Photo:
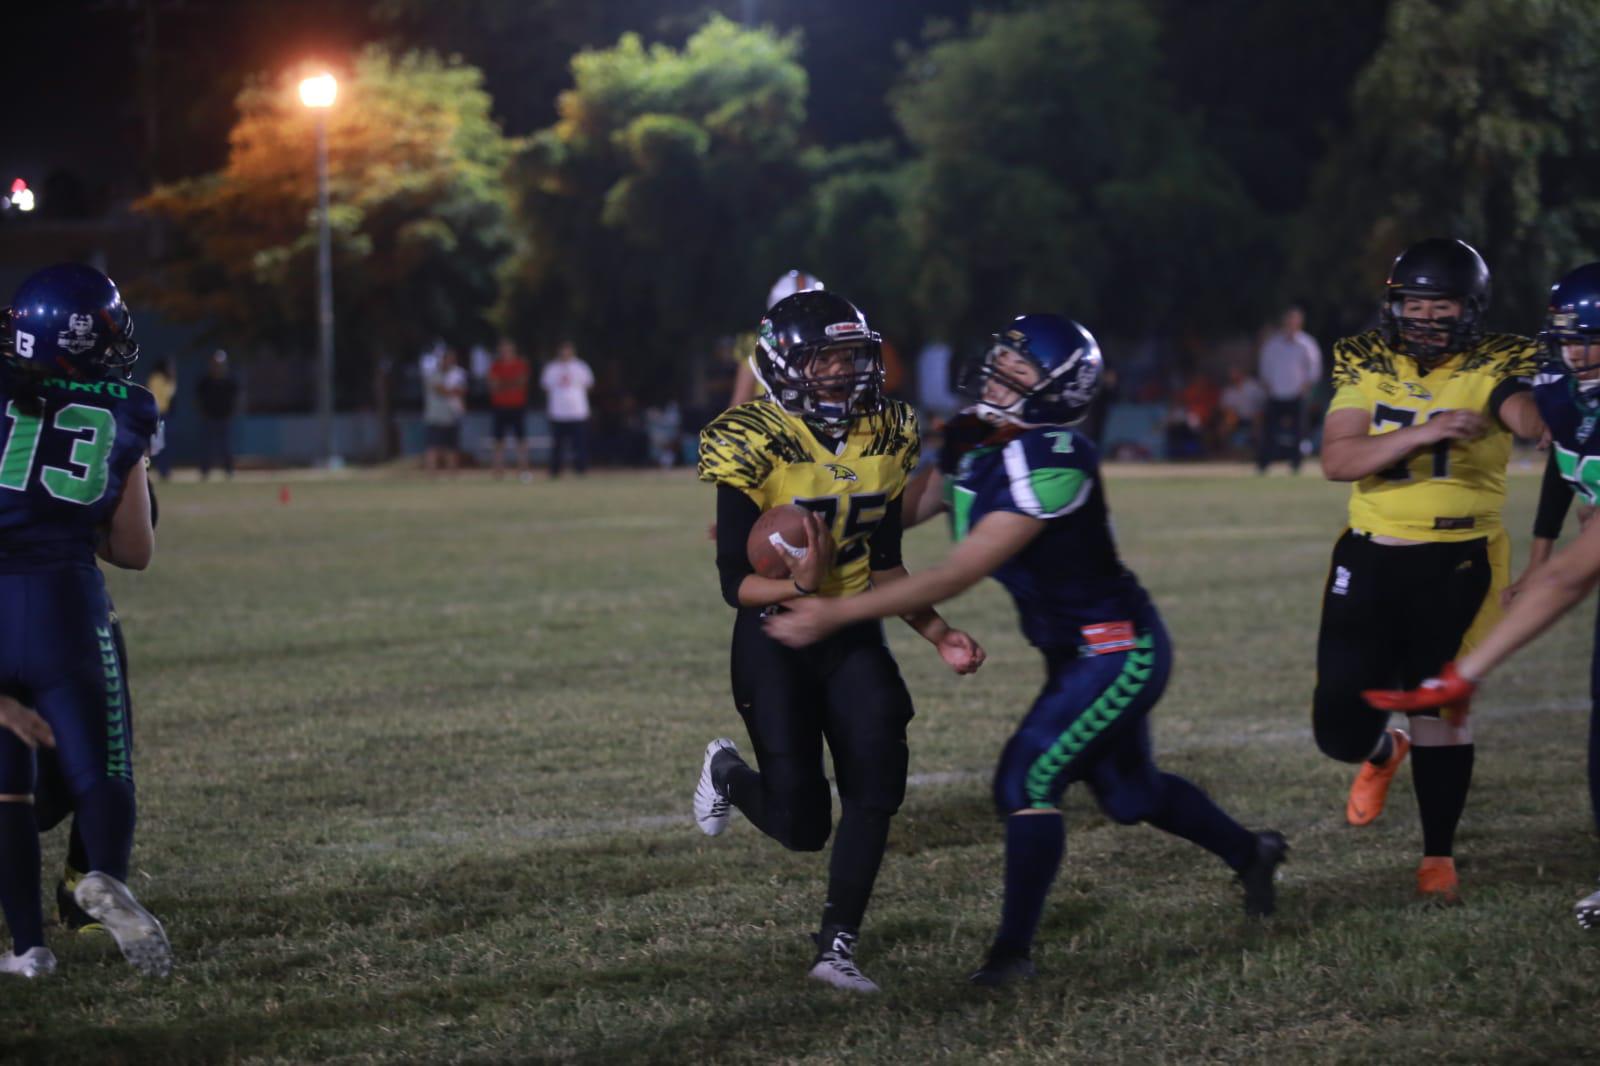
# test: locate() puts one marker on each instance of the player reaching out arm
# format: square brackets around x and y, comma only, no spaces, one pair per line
[822,436]
[1568,397]
[1029,509]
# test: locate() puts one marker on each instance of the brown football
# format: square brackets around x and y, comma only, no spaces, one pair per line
[782,529]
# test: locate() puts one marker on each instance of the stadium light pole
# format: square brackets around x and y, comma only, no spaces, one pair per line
[318,93]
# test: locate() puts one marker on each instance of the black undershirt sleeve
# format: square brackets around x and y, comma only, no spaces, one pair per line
[736,517]
[1555,498]
[885,540]
[1507,388]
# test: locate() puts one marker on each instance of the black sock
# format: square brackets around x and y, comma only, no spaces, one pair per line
[1186,811]
[1441,778]
[19,876]
[77,857]
[858,846]
[1034,846]
[1384,750]
[106,815]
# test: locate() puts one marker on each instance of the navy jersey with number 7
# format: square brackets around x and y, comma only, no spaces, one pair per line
[66,450]
[1069,578]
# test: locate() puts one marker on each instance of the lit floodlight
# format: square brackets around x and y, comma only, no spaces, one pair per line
[319,90]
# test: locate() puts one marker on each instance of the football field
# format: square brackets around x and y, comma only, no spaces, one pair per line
[415,758]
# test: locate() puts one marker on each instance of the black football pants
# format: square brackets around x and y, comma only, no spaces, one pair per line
[845,691]
[1392,615]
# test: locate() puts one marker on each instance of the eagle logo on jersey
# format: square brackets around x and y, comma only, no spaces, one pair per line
[79,336]
[840,472]
[1418,391]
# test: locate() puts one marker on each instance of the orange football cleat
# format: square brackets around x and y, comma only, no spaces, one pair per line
[1437,881]
[1371,788]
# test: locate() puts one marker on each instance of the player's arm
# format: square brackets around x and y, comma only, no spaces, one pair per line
[924,497]
[1555,499]
[741,585]
[1551,591]
[26,723]
[129,540]
[1351,452]
[993,540]
[1513,404]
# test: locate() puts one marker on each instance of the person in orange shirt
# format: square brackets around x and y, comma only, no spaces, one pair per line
[508,400]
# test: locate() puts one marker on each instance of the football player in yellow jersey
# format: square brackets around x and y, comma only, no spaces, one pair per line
[1421,423]
[821,436]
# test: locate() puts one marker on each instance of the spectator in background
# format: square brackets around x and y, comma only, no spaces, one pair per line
[566,381]
[935,394]
[1242,403]
[444,402]
[1291,365]
[163,385]
[508,400]
[218,396]
[1201,401]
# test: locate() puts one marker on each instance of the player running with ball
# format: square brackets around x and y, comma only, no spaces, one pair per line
[1029,510]
[821,436]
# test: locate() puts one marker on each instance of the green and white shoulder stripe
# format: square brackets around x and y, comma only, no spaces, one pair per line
[1046,493]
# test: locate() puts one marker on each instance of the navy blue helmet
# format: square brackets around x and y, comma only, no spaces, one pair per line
[70,320]
[1574,320]
[1439,268]
[817,358]
[1068,364]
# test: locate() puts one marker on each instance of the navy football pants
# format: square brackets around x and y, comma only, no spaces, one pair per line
[59,655]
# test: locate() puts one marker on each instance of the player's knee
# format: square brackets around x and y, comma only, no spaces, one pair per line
[808,832]
[1127,803]
[1345,732]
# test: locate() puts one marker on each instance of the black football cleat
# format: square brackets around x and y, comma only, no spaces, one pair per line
[73,918]
[997,973]
[1259,878]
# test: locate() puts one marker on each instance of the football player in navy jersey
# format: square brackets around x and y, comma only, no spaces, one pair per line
[1567,391]
[73,435]
[1028,508]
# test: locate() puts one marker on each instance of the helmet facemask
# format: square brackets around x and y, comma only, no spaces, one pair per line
[1059,397]
[1430,341]
[830,384]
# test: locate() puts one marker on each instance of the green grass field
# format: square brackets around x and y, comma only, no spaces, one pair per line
[414,764]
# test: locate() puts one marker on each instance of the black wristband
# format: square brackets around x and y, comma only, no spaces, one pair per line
[802,590]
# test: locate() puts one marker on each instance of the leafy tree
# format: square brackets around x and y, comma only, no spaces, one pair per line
[1054,170]
[419,213]
[1475,118]
[660,206]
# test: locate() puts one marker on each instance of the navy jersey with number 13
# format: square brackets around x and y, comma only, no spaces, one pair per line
[63,465]
[1069,576]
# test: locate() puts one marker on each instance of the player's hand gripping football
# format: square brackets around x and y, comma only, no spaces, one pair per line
[961,652]
[811,570]
[25,722]
[1449,691]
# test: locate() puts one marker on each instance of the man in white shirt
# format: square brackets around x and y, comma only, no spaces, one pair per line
[1291,366]
[566,381]
[444,402]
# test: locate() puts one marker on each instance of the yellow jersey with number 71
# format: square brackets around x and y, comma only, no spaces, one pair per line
[1455,489]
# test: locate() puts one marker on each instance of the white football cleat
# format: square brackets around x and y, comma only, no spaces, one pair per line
[1587,910]
[711,807]
[836,964]
[137,932]
[35,962]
